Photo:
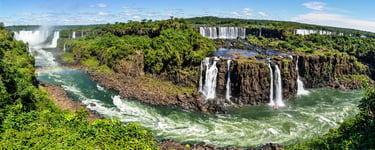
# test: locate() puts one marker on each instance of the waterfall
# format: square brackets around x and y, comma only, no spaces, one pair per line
[228,94]
[38,40]
[300,89]
[64,48]
[278,88]
[32,37]
[272,103]
[56,36]
[73,35]
[222,32]
[208,88]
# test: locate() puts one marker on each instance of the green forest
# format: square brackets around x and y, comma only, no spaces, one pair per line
[166,46]
[30,120]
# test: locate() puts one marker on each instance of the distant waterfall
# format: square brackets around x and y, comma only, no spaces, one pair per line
[64,49]
[32,37]
[228,93]
[56,36]
[222,32]
[300,89]
[278,88]
[208,88]
[272,103]
[73,35]
[208,32]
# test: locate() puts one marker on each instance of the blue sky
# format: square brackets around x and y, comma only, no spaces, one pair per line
[358,14]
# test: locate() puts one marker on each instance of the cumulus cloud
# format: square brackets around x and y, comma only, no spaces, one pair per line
[102,14]
[336,20]
[262,14]
[315,5]
[99,5]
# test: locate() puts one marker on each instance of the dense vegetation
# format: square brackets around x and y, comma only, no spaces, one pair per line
[165,45]
[29,120]
[271,24]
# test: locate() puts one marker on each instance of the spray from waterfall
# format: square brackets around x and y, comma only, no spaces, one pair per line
[208,87]
[38,40]
[300,89]
[228,92]
[73,35]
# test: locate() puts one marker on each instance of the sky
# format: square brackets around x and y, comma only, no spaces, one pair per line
[359,14]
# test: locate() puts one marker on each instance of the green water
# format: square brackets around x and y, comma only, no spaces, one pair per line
[303,118]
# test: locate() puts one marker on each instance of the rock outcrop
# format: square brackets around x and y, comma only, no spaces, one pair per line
[336,70]
[250,80]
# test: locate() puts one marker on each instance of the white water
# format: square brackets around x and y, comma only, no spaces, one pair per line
[37,40]
[222,32]
[32,37]
[278,88]
[208,88]
[300,88]
[228,93]
[73,35]
[64,49]
[56,36]
[271,103]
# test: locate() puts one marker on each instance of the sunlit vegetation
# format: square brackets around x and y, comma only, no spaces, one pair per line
[165,45]
[29,120]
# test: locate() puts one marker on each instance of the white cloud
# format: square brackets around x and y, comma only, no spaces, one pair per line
[100,5]
[246,10]
[262,14]
[336,20]
[314,5]
[26,14]
[102,14]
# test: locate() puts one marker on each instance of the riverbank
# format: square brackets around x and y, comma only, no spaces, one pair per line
[64,102]
[148,90]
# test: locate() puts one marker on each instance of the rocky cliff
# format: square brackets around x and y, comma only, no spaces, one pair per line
[335,70]
[250,80]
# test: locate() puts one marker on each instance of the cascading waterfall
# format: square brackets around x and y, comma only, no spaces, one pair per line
[37,40]
[208,88]
[64,49]
[278,88]
[222,32]
[56,36]
[300,89]
[32,37]
[73,35]
[272,103]
[228,93]
[208,32]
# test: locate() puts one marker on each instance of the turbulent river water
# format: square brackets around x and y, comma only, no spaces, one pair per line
[303,118]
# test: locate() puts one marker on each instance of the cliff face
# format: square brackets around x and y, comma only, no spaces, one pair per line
[338,70]
[250,80]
